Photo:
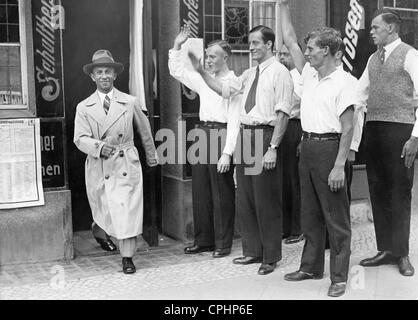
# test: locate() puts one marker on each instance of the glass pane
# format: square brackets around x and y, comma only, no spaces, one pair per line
[407,4]
[239,62]
[388,3]
[14,33]
[209,6]
[3,33]
[264,13]
[13,14]
[237,23]
[3,14]
[409,30]
[10,75]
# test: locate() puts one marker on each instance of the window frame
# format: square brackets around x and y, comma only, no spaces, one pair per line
[28,108]
[250,4]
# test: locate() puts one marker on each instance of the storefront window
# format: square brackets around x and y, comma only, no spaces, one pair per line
[232,19]
[12,56]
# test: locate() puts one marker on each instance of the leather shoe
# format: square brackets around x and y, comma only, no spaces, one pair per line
[267,268]
[197,249]
[294,239]
[405,267]
[219,253]
[300,276]
[128,266]
[107,244]
[336,289]
[381,258]
[246,260]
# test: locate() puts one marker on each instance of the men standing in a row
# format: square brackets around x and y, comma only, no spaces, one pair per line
[387,86]
[327,107]
[213,189]
[265,110]
[291,187]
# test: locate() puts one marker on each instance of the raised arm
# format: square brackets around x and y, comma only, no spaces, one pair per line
[289,36]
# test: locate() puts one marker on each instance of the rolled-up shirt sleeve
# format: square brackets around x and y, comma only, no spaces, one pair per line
[179,71]
[362,88]
[283,92]
[358,128]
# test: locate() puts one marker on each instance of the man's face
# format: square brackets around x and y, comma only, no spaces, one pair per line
[379,31]
[104,78]
[216,58]
[285,58]
[258,48]
[314,54]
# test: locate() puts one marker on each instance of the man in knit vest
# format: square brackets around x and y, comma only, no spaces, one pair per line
[387,87]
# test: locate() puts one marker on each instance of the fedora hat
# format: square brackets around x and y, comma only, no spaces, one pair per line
[102,58]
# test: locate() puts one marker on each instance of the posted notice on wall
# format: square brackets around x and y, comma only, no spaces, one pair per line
[20,164]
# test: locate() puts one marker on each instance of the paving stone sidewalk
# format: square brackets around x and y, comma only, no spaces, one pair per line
[167,273]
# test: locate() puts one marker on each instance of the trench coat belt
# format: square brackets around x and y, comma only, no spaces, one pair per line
[123,146]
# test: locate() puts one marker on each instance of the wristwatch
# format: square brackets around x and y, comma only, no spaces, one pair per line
[273,146]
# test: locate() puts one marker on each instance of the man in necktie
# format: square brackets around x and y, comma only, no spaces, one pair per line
[267,94]
[103,129]
[387,87]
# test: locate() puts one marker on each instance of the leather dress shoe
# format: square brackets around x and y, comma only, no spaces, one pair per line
[381,258]
[128,266]
[219,253]
[405,267]
[267,268]
[106,244]
[300,276]
[197,249]
[247,260]
[336,289]
[294,239]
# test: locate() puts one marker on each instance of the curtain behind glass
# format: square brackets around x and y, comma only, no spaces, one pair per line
[136,70]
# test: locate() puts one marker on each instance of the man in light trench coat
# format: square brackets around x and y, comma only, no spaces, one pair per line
[103,129]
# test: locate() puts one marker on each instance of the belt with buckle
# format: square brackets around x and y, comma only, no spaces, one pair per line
[212,124]
[320,136]
[257,126]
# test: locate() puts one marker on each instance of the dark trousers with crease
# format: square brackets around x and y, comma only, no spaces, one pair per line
[390,185]
[259,200]
[291,185]
[323,210]
[213,196]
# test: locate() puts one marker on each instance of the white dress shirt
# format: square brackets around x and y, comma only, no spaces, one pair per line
[103,95]
[297,93]
[274,92]
[324,101]
[410,66]
[212,106]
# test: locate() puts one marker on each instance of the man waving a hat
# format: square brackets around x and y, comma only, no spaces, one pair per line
[103,129]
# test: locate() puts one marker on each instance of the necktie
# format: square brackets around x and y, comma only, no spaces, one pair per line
[106,104]
[250,103]
[382,55]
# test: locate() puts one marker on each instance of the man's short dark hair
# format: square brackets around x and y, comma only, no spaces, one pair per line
[389,16]
[225,46]
[267,33]
[326,37]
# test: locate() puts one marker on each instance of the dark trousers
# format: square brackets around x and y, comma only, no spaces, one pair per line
[213,196]
[291,185]
[259,202]
[390,184]
[323,210]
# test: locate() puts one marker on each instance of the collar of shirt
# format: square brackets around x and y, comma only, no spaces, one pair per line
[103,95]
[266,63]
[391,46]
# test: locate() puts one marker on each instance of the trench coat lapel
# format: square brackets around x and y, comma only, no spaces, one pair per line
[95,109]
[116,110]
